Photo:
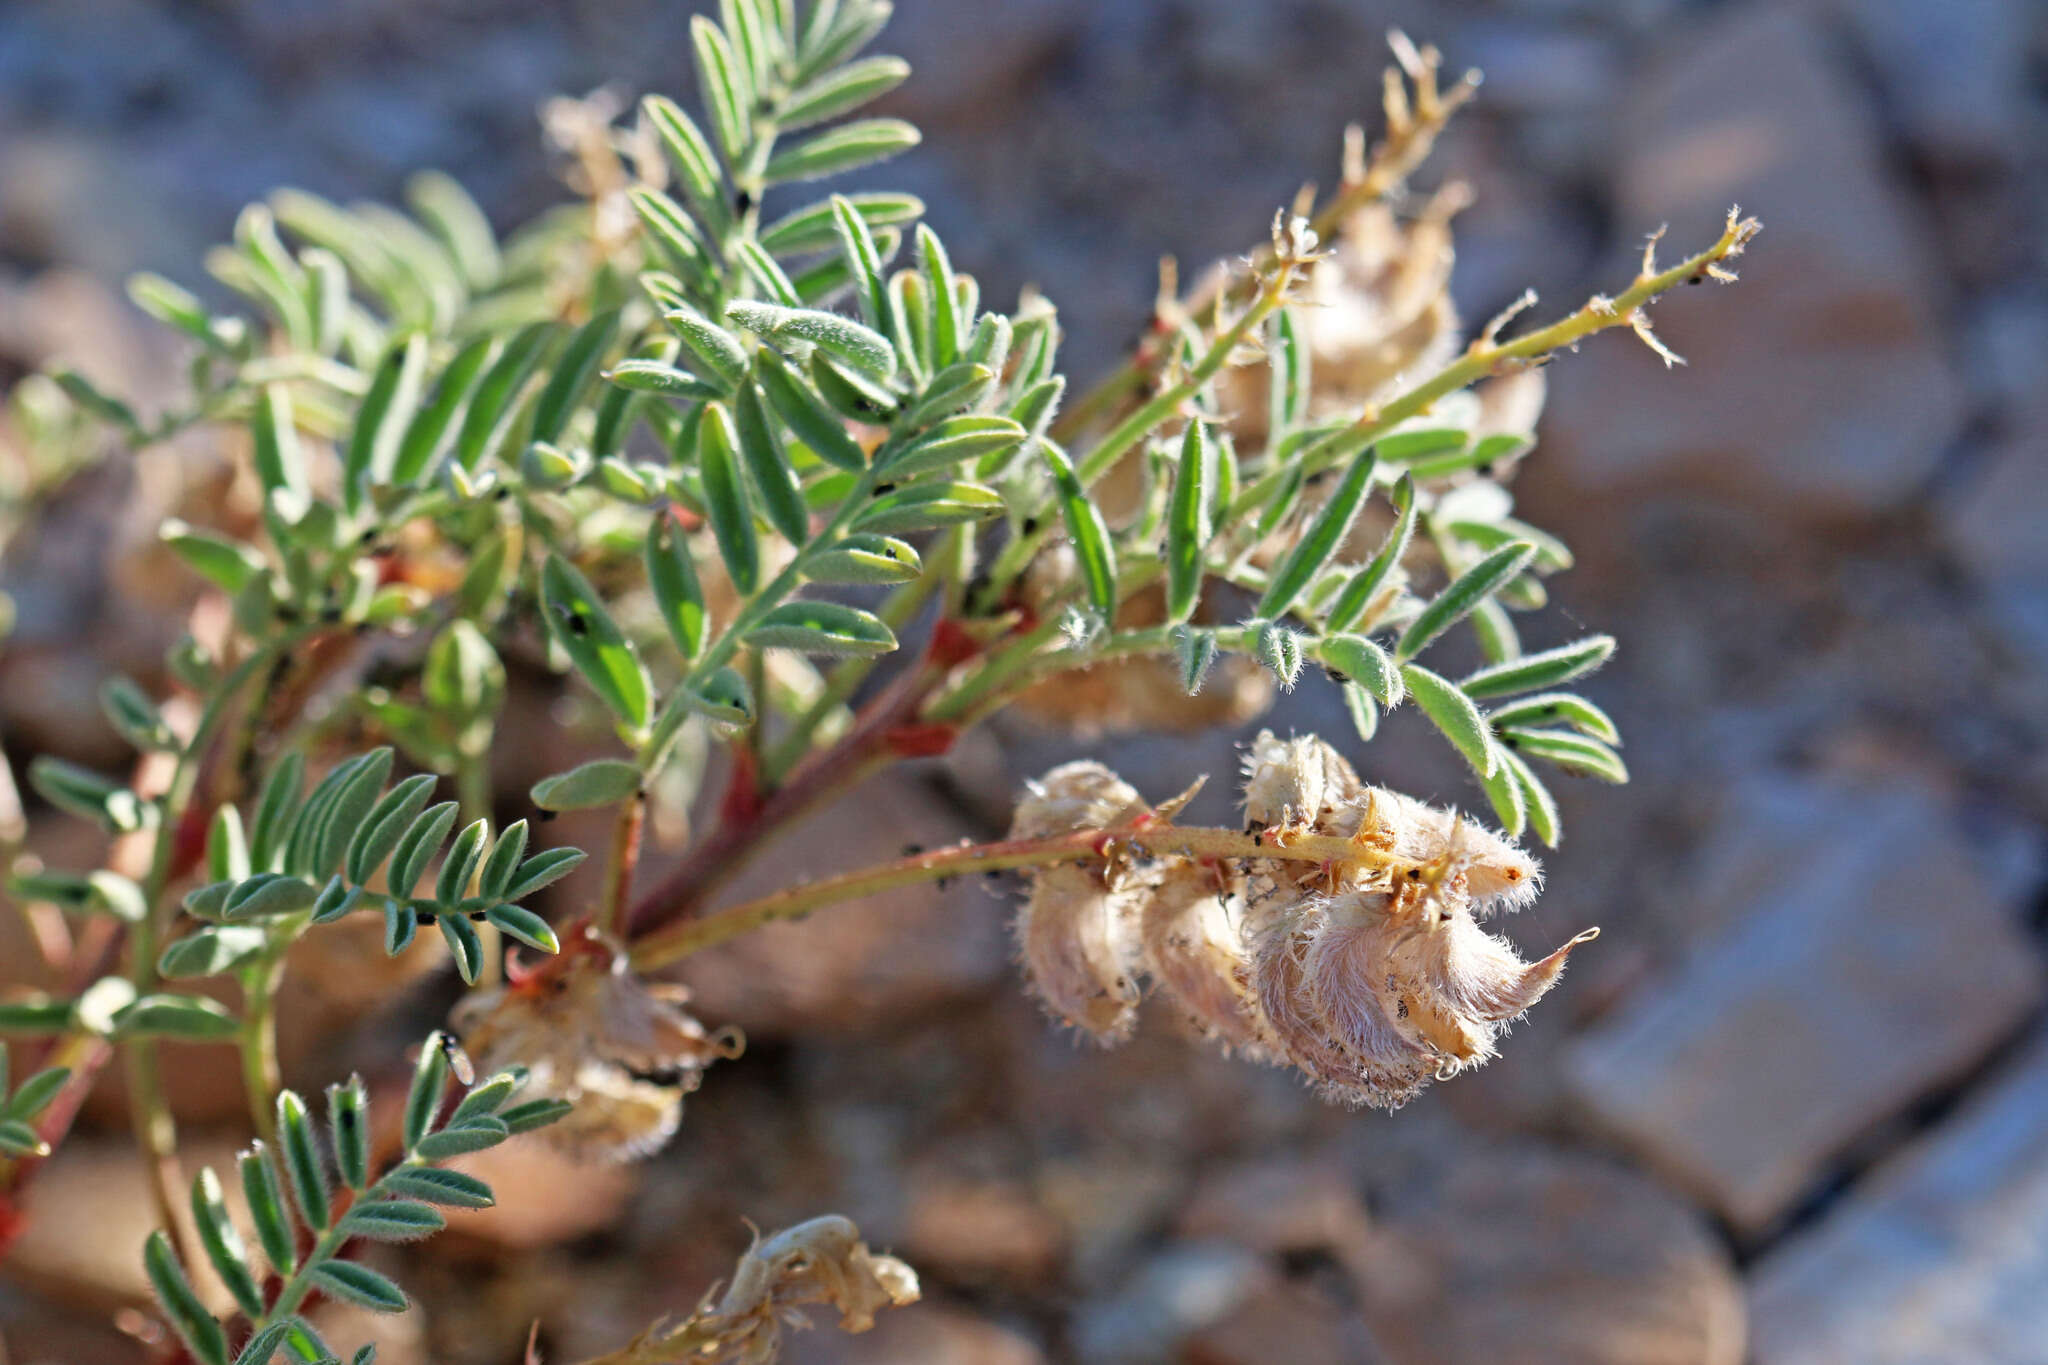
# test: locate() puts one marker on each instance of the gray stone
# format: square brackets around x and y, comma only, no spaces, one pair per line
[1872,965]
[1938,1256]
[1820,386]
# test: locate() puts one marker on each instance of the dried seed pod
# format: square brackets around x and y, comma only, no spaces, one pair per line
[1295,784]
[1314,975]
[1374,994]
[1078,928]
[623,1050]
[1193,934]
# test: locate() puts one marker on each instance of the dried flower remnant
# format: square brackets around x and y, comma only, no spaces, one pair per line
[1078,928]
[820,1261]
[1370,976]
[623,1050]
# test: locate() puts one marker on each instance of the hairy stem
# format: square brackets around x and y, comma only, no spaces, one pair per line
[1149,836]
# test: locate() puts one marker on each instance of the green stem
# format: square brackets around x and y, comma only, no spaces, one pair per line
[1485,357]
[1149,835]
[156,1132]
[261,1077]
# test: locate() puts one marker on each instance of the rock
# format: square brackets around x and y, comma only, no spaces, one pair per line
[865,963]
[1992,525]
[1866,962]
[1184,1289]
[990,1231]
[1290,1322]
[1279,1206]
[1936,1256]
[1535,1256]
[1954,75]
[1820,387]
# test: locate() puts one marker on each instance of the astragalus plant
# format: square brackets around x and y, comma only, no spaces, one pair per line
[785,499]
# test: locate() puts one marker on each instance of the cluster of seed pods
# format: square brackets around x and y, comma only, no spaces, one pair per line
[1372,977]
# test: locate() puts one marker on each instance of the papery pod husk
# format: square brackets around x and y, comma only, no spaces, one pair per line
[1077,930]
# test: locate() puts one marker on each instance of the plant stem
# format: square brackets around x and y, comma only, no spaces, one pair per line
[156,1132]
[261,1078]
[1485,357]
[1148,836]
[625,854]
[1412,130]
[862,752]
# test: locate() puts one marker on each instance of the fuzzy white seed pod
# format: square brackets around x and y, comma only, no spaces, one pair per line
[1293,783]
[1315,973]
[1194,941]
[1077,930]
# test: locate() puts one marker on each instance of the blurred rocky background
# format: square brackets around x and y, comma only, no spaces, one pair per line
[1794,1105]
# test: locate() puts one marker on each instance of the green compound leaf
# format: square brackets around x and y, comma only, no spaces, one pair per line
[862,557]
[599,782]
[1452,712]
[725,498]
[599,650]
[360,1285]
[859,346]
[845,148]
[1573,753]
[1324,535]
[823,628]
[1086,529]
[1464,593]
[194,1325]
[1188,525]
[678,596]
[1538,672]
